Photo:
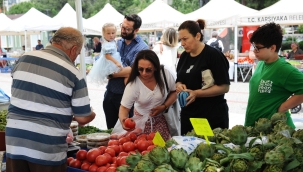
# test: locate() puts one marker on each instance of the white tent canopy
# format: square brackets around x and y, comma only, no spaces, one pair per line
[34,20]
[67,16]
[159,15]
[282,12]
[220,13]
[108,14]
[9,27]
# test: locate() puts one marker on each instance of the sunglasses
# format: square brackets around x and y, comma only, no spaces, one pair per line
[257,48]
[147,70]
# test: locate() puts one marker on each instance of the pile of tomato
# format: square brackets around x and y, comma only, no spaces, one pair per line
[245,60]
[108,158]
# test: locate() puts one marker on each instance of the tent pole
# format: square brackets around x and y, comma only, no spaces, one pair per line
[236,50]
[80,28]
[25,40]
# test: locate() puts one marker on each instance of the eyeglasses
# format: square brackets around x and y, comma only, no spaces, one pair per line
[147,70]
[257,48]
[126,29]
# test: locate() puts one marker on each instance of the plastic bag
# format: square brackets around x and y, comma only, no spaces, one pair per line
[119,132]
[4,98]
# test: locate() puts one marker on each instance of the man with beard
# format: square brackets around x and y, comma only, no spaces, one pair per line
[128,47]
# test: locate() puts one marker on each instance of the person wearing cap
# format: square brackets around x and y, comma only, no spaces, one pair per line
[295,50]
[213,40]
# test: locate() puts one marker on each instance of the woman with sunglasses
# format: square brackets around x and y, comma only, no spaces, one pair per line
[276,86]
[146,90]
[199,57]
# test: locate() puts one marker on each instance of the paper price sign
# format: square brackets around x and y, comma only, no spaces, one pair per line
[201,126]
[158,140]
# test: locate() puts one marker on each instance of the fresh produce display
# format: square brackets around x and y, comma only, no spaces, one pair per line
[245,60]
[229,56]
[124,153]
[270,146]
[3,119]
[91,129]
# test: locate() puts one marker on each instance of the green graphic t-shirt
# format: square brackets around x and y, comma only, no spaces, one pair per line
[270,86]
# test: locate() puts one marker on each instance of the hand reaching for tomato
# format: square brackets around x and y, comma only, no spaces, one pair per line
[128,124]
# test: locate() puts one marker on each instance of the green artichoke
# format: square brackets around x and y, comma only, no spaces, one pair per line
[205,151]
[178,158]
[133,159]
[159,155]
[298,134]
[239,165]
[238,135]
[124,168]
[277,117]
[263,125]
[257,153]
[144,166]
[272,168]
[193,165]
[164,168]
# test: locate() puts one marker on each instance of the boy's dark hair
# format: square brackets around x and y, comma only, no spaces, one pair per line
[268,35]
[136,19]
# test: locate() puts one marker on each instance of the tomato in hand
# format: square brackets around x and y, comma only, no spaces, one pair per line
[130,123]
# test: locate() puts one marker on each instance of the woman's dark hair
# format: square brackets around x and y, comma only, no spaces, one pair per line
[193,27]
[153,58]
[135,18]
[268,35]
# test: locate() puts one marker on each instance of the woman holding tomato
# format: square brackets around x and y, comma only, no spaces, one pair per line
[147,91]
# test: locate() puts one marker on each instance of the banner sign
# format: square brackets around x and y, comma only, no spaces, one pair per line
[279,18]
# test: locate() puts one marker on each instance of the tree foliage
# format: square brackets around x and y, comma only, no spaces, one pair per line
[91,7]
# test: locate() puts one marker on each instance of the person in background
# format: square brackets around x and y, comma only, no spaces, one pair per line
[146,90]
[215,42]
[39,46]
[48,92]
[198,57]
[275,86]
[110,61]
[295,50]
[128,47]
[97,45]
[166,49]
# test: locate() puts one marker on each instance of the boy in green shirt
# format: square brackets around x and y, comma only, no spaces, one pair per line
[276,86]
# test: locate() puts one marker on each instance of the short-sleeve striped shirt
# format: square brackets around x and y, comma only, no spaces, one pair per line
[47,90]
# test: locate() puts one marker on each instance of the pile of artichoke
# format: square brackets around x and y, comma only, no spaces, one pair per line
[282,150]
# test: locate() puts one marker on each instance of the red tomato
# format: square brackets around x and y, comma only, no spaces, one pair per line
[142,145]
[102,149]
[75,163]
[102,169]
[122,161]
[142,136]
[151,136]
[114,160]
[111,169]
[114,136]
[150,142]
[101,160]
[123,154]
[87,162]
[113,142]
[69,159]
[123,140]
[149,148]
[132,136]
[109,157]
[81,154]
[113,165]
[110,151]
[116,148]
[85,166]
[128,146]
[93,168]
[130,123]
[132,152]
[92,154]
[121,148]
[144,152]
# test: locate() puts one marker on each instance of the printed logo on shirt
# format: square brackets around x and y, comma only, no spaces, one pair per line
[265,86]
[190,67]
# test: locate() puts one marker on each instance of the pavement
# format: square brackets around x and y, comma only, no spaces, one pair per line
[236,99]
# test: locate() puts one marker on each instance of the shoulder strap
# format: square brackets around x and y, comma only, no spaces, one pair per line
[164,76]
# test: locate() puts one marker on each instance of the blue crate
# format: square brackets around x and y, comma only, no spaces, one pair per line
[5,70]
[71,169]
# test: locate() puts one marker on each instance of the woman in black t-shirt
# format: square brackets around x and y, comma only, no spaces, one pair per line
[207,103]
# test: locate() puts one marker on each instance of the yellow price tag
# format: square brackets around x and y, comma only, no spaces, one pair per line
[201,126]
[158,140]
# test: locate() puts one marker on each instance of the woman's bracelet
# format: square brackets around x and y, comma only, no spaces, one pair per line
[165,106]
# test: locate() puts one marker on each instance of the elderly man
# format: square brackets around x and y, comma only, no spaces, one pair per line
[47,93]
